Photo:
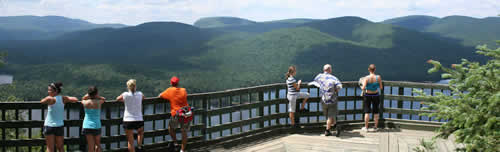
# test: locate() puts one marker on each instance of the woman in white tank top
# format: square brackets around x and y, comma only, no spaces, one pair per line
[132,116]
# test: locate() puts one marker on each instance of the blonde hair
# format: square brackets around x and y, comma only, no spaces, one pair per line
[291,70]
[131,84]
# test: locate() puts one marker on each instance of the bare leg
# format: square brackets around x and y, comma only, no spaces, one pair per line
[184,139]
[171,131]
[303,103]
[329,123]
[90,143]
[292,118]
[60,143]
[367,119]
[140,136]
[97,140]
[50,141]
[375,116]
[130,139]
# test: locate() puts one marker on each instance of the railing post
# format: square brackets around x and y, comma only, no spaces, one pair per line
[204,118]
[3,129]
[261,108]
[400,102]
[108,127]
[83,146]
[277,108]
[381,118]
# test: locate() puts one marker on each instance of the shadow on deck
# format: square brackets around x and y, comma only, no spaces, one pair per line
[383,140]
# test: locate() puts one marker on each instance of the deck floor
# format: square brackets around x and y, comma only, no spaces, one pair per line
[350,141]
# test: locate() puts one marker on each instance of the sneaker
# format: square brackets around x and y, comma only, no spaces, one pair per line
[140,148]
[364,129]
[375,129]
[337,129]
[171,146]
[328,133]
[296,126]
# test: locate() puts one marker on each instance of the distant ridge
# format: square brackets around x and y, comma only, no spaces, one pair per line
[43,27]
[469,31]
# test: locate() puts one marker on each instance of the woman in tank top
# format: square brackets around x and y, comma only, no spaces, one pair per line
[132,116]
[372,84]
[53,127]
[92,122]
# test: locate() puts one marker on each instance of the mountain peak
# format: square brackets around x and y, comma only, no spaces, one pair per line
[223,21]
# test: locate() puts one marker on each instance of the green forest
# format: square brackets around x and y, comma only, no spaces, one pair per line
[224,53]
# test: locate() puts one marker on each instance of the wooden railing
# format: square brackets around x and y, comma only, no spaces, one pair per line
[219,116]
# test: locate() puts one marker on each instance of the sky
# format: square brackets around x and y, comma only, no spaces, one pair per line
[133,12]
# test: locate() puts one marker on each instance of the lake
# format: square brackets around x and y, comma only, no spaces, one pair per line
[6,79]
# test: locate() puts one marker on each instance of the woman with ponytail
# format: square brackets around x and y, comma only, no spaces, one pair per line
[53,127]
[294,93]
[92,122]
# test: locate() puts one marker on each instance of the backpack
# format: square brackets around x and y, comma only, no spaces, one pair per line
[184,114]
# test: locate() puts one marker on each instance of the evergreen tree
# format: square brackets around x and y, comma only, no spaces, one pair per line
[473,110]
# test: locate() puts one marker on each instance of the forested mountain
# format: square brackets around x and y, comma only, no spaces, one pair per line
[236,54]
[466,30]
[43,27]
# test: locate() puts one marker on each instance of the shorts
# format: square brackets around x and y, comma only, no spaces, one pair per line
[292,99]
[57,131]
[371,99]
[88,131]
[133,125]
[329,110]
[174,123]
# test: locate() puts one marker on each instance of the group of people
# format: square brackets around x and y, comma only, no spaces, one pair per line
[132,118]
[329,86]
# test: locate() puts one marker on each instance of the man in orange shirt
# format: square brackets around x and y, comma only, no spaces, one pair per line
[178,99]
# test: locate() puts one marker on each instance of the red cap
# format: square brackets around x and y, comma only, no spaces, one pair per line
[174,81]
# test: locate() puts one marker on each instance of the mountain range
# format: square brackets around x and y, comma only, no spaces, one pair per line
[44,27]
[219,53]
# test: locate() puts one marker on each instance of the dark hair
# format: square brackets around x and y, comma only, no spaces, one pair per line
[56,86]
[291,70]
[92,91]
[371,68]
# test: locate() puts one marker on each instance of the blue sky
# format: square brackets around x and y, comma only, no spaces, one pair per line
[133,12]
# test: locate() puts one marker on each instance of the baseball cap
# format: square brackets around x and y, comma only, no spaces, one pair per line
[174,80]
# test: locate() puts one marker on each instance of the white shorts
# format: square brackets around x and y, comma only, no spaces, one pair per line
[292,99]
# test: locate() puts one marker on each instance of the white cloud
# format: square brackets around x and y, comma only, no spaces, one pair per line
[187,11]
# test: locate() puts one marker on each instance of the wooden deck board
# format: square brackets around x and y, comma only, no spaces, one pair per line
[349,141]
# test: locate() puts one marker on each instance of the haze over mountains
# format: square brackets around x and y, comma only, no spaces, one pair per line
[46,27]
[224,52]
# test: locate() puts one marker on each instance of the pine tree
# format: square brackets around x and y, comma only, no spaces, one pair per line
[473,110]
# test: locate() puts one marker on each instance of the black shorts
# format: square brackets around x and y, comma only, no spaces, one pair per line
[57,131]
[88,131]
[371,99]
[133,125]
